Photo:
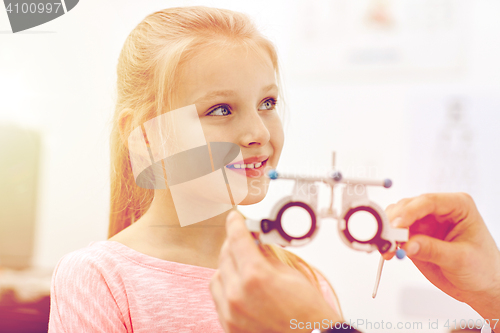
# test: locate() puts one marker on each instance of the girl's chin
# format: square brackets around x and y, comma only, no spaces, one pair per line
[253,198]
[250,201]
[257,190]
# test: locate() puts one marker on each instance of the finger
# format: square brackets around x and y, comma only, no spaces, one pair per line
[429,249]
[241,244]
[434,274]
[393,209]
[216,288]
[389,209]
[450,206]
[219,298]
[228,273]
[388,255]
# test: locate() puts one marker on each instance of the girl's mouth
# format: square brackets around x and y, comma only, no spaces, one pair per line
[251,170]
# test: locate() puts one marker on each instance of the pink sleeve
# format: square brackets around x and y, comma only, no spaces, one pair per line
[81,300]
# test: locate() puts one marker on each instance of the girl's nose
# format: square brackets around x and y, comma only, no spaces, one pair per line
[254,131]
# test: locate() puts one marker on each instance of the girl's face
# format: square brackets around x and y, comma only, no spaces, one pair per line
[235,93]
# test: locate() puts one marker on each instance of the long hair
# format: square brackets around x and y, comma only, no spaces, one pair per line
[147,73]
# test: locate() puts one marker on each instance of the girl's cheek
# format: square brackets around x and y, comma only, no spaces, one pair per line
[218,132]
[277,134]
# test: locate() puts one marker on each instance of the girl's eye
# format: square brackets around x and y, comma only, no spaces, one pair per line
[269,104]
[219,111]
[223,110]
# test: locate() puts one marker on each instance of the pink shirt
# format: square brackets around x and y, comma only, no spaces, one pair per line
[109,287]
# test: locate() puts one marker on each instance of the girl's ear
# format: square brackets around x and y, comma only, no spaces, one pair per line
[124,125]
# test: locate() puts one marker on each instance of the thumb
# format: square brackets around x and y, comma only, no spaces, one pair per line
[433,250]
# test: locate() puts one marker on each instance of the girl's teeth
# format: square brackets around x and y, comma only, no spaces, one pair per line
[247,166]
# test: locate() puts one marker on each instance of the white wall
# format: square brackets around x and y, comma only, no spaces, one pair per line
[60,78]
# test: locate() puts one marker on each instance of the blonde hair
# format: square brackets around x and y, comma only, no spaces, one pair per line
[148,68]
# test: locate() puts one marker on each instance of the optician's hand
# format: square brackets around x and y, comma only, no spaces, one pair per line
[451,245]
[253,293]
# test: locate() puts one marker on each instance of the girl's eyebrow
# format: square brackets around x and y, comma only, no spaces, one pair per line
[215,93]
[269,87]
[226,93]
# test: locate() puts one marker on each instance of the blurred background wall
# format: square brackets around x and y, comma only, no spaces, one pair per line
[402,89]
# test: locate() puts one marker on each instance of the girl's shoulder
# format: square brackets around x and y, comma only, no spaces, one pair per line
[112,260]
[88,279]
[95,251]
[96,258]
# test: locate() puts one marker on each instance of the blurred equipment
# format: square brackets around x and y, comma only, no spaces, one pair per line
[19,164]
[355,205]
[281,227]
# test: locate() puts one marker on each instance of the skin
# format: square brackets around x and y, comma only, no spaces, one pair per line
[455,252]
[254,294]
[248,120]
[451,245]
[451,234]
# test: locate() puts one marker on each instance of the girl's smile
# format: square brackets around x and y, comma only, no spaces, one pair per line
[253,167]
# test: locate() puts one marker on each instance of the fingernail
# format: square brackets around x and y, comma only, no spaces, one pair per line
[412,248]
[396,222]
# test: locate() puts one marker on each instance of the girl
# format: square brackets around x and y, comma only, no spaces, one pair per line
[153,275]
